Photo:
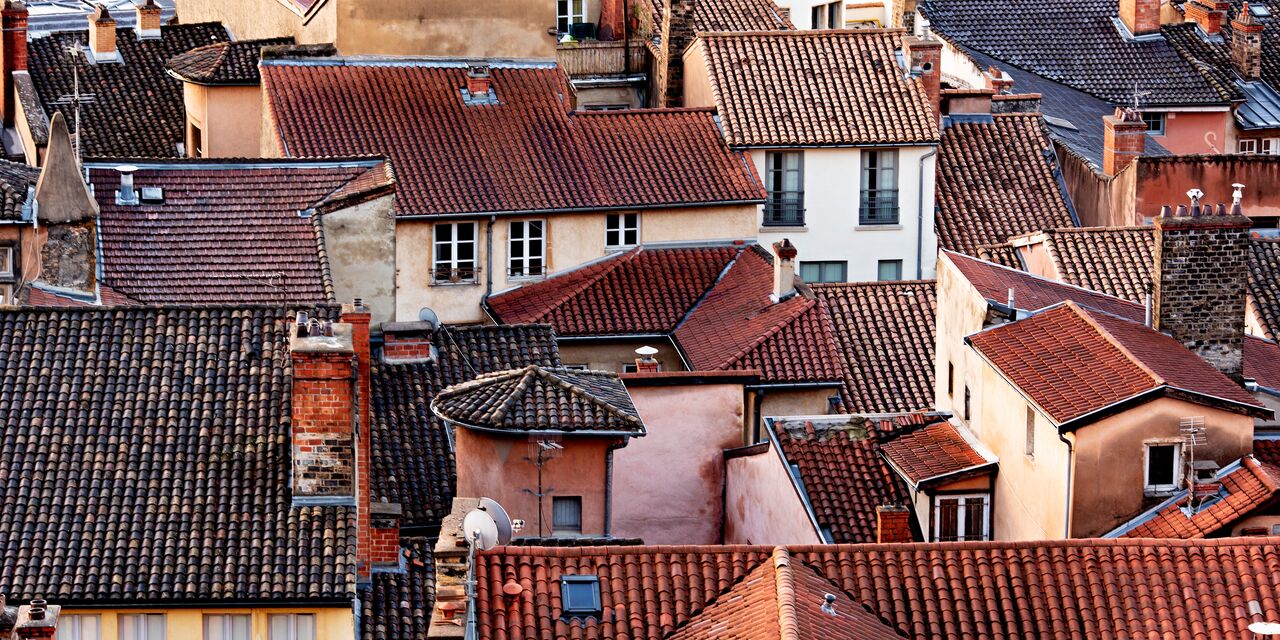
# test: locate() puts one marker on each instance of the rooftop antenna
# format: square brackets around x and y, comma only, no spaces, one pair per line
[1137,96]
[75,98]
[1193,435]
[543,448]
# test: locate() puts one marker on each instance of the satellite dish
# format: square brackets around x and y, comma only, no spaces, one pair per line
[480,530]
[1265,628]
[500,518]
[428,316]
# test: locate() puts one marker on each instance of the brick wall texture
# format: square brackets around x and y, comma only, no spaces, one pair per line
[322,424]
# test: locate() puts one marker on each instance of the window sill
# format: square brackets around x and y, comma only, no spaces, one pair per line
[527,278]
[619,248]
[878,227]
[460,283]
[784,229]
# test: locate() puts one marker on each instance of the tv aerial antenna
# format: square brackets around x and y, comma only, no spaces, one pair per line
[75,99]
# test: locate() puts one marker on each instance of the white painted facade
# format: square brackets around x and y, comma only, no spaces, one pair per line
[848,15]
[832,188]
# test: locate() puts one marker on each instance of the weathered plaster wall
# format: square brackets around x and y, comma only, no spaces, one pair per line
[688,426]
[761,503]
[610,356]
[251,19]
[67,257]
[1163,181]
[1197,132]
[361,244]
[797,402]
[230,119]
[478,28]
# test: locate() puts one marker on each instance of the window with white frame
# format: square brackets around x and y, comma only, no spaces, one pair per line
[291,626]
[6,295]
[569,13]
[826,16]
[621,230]
[879,193]
[141,626]
[79,626]
[1247,146]
[227,627]
[1162,468]
[454,257]
[6,261]
[961,517]
[1270,147]
[526,248]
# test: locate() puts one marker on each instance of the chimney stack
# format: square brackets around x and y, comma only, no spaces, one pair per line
[924,60]
[1141,17]
[148,18]
[102,35]
[407,342]
[13,51]
[357,316]
[893,524]
[613,20]
[646,362]
[479,81]
[996,80]
[37,621]
[1200,279]
[677,33]
[126,194]
[1208,14]
[1246,44]
[784,270]
[323,410]
[1124,139]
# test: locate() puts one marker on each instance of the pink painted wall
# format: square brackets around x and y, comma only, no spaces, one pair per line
[1196,132]
[762,505]
[668,484]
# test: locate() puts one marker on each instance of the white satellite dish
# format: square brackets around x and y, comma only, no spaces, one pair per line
[428,316]
[1265,628]
[500,519]
[480,530]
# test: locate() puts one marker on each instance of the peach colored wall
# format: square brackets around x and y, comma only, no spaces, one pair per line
[1196,132]
[689,427]
[1109,455]
[761,503]
[1166,182]
[797,402]
[697,78]
[499,467]
[922,501]
[961,311]
[230,119]
[1266,521]
[1035,256]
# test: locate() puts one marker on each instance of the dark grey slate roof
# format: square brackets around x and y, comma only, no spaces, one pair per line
[535,398]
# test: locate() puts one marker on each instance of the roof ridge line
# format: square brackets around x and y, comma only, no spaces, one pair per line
[702,297]
[785,593]
[500,412]
[1255,466]
[772,331]
[1083,312]
[579,391]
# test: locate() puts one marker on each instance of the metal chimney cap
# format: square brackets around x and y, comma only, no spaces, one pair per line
[126,168]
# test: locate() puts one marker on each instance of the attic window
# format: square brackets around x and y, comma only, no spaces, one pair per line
[580,596]
[1260,10]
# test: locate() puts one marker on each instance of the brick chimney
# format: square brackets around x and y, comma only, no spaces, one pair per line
[452,564]
[893,524]
[677,34]
[1208,14]
[1246,44]
[407,342]
[102,35]
[1200,279]
[1141,17]
[613,20]
[358,317]
[479,81]
[384,534]
[645,360]
[924,59]
[37,621]
[323,410]
[784,270]
[1124,139]
[997,80]
[148,19]
[13,51]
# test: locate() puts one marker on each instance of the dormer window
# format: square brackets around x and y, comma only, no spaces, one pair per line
[580,596]
[1163,469]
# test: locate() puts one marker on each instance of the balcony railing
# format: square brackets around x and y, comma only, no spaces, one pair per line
[599,58]
[784,209]
[445,275]
[879,206]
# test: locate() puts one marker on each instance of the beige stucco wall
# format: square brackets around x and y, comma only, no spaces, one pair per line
[697,78]
[961,311]
[762,505]
[454,303]
[331,623]
[251,19]
[797,402]
[610,356]
[1266,521]
[229,117]
[688,426]
[922,500]
[361,245]
[1109,455]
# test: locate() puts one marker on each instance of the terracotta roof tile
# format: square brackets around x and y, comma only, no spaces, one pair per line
[524,153]
[1267,449]
[138,109]
[935,451]
[16,180]
[884,332]
[816,88]
[225,62]
[537,398]
[1264,283]
[732,15]
[995,182]
[1071,361]
[1003,254]
[1249,487]
[397,606]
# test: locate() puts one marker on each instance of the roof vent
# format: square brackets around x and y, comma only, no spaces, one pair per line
[126,194]
[152,195]
[829,604]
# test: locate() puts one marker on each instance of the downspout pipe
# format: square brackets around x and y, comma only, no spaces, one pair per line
[608,485]
[1066,533]
[920,217]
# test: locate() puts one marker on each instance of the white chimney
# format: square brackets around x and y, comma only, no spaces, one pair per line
[784,270]
[126,195]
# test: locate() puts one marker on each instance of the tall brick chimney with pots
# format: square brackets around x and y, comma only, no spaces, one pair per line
[148,19]
[1124,139]
[1200,279]
[613,20]
[893,524]
[358,317]
[1246,44]
[102,34]
[924,57]
[1208,14]
[323,411]
[1141,17]
[13,50]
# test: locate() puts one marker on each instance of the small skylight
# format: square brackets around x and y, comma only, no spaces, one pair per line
[1260,10]
[580,596]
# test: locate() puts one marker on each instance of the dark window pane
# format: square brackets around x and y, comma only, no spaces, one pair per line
[948,518]
[566,514]
[1160,465]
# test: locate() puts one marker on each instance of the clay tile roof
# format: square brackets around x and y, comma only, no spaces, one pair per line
[15,181]
[1246,488]
[1264,284]
[641,291]
[397,606]
[738,326]
[1267,449]
[229,63]
[412,462]
[783,599]
[524,153]
[947,591]
[994,182]
[936,451]
[224,232]
[732,15]
[1072,361]
[884,333]
[842,471]
[537,398]
[804,88]
[138,109]
[1003,254]
[141,438]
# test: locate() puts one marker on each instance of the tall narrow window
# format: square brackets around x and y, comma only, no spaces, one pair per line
[197,142]
[226,627]
[1031,432]
[77,626]
[291,626]
[6,261]
[526,249]
[569,13]
[960,517]
[951,379]
[879,201]
[566,514]
[455,252]
[1163,469]
[784,179]
[141,626]
[621,230]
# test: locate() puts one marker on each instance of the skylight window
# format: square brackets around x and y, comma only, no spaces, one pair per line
[580,596]
[1260,10]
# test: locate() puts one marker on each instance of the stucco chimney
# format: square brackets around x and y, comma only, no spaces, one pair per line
[148,19]
[1141,17]
[1124,139]
[924,60]
[102,34]
[1200,280]
[13,50]
[1208,14]
[996,80]
[893,524]
[784,270]
[1246,44]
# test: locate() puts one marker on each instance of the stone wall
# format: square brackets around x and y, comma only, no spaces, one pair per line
[67,257]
